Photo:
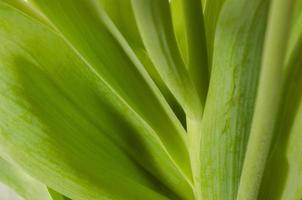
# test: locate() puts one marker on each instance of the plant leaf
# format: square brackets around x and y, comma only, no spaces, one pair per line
[92,49]
[22,183]
[212,12]
[269,99]
[230,102]
[296,28]
[282,176]
[193,27]
[155,24]
[121,13]
[68,127]
[56,196]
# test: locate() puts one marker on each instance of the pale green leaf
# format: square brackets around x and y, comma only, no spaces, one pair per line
[269,98]
[22,183]
[155,24]
[97,41]
[282,177]
[121,13]
[56,196]
[212,12]
[189,23]
[74,131]
[230,102]
[296,28]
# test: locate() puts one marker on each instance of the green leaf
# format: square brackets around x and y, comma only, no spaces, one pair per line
[189,86]
[212,12]
[22,183]
[56,196]
[76,127]
[92,38]
[192,28]
[282,176]
[121,13]
[296,28]
[230,102]
[155,24]
[269,99]
[178,20]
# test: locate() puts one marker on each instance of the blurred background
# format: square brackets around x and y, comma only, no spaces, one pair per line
[7,194]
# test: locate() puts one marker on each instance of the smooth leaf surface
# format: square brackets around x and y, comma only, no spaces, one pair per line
[282,177]
[121,13]
[151,99]
[84,125]
[269,98]
[230,102]
[212,12]
[296,29]
[155,25]
[188,22]
[92,38]
[22,183]
[56,196]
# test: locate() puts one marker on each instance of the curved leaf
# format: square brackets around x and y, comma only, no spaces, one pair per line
[190,25]
[155,25]
[22,183]
[269,99]
[121,13]
[212,12]
[230,102]
[97,145]
[92,37]
[282,176]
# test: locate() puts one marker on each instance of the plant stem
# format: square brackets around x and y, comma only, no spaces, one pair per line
[194,134]
[198,71]
[268,99]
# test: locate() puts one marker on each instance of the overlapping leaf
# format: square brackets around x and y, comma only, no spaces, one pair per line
[89,90]
[85,118]
[282,177]
[121,13]
[26,186]
[192,28]
[229,107]
[155,25]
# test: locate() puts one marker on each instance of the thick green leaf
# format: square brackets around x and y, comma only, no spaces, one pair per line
[269,99]
[22,183]
[56,196]
[283,177]
[212,12]
[100,45]
[121,13]
[67,126]
[190,25]
[296,28]
[230,102]
[155,24]
[178,20]
[189,86]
